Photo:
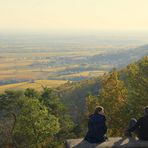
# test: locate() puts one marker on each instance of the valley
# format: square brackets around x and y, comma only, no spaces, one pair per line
[25,59]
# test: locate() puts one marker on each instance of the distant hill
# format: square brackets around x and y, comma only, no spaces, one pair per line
[121,58]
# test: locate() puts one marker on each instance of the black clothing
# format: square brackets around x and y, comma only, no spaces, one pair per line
[141,127]
[96,128]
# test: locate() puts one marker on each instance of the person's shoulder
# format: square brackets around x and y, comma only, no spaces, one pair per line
[101,117]
[91,116]
[94,116]
[97,117]
[142,118]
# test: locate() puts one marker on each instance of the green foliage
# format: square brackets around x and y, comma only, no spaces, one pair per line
[112,97]
[73,96]
[51,100]
[123,94]
[91,103]
[31,93]
[56,108]
[35,119]
[34,124]
[8,100]
[136,80]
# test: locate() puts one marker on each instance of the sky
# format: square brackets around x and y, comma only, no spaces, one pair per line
[84,15]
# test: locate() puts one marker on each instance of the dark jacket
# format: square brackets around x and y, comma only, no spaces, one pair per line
[96,128]
[142,126]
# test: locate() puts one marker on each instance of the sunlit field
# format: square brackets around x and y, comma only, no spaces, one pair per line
[37,85]
[72,58]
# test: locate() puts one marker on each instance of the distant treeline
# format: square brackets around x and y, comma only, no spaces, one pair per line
[12,81]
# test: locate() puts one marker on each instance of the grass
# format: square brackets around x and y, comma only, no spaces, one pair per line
[83,74]
[37,85]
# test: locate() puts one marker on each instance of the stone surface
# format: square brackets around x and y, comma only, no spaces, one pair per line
[115,142]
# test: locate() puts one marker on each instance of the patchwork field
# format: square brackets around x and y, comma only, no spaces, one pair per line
[25,66]
[26,59]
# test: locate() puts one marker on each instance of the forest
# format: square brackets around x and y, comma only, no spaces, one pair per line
[31,118]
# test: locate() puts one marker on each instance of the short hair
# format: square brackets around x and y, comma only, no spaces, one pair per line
[146,110]
[98,109]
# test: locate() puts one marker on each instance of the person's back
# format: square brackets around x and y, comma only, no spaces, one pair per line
[96,127]
[140,127]
[143,127]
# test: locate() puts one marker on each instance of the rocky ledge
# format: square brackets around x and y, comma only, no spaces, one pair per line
[114,142]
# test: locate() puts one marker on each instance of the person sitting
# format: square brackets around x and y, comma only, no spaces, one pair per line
[96,126]
[140,127]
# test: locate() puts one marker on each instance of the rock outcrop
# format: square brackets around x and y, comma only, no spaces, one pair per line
[115,142]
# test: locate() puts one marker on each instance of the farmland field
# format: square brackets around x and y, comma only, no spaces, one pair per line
[37,85]
[27,58]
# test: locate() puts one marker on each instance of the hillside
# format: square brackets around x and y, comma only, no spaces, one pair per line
[30,114]
[121,58]
[37,85]
[74,94]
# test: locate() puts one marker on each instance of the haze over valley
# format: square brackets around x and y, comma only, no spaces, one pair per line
[30,57]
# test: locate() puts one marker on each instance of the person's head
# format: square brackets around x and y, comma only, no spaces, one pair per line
[99,110]
[146,110]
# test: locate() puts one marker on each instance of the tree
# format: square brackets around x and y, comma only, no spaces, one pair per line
[34,125]
[136,80]
[26,120]
[31,93]
[50,99]
[8,114]
[91,103]
[112,97]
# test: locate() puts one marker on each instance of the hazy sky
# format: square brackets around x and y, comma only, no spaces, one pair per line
[74,14]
